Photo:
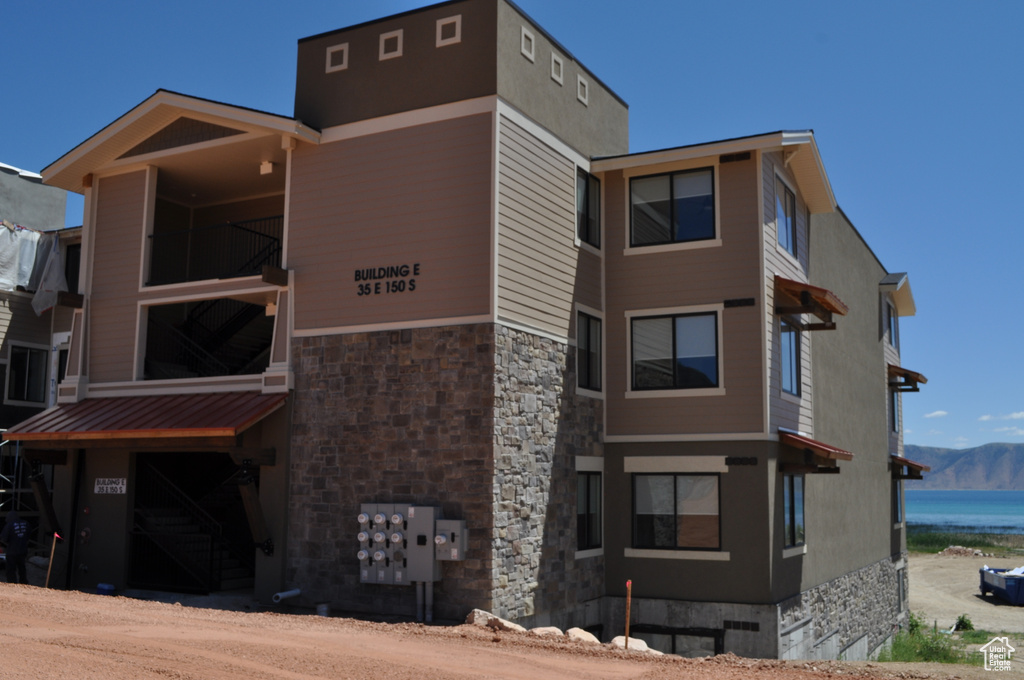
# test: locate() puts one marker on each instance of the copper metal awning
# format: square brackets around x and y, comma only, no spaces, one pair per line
[818,457]
[818,448]
[164,420]
[819,302]
[904,380]
[904,468]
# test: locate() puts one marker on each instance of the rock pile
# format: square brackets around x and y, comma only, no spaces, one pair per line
[960,551]
[478,617]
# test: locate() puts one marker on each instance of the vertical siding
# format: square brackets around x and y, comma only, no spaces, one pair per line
[120,213]
[414,195]
[784,411]
[704,276]
[537,257]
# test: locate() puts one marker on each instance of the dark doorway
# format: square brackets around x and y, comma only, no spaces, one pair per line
[190,532]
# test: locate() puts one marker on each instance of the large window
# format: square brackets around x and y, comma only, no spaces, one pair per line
[588,510]
[673,208]
[785,216]
[675,352]
[588,351]
[897,501]
[676,511]
[26,375]
[588,208]
[790,348]
[793,507]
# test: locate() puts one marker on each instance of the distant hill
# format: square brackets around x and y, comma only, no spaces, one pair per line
[991,466]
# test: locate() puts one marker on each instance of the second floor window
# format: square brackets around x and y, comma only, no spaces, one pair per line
[674,208]
[26,375]
[588,208]
[789,345]
[785,216]
[894,325]
[675,352]
[588,352]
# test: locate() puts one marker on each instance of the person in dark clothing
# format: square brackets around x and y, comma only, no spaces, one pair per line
[15,538]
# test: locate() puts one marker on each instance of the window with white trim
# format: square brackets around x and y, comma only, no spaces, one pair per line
[675,351]
[449,31]
[793,509]
[789,346]
[582,90]
[893,324]
[676,511]
[588,510]
[588,351]
[391,44]
[677,207]
[526,43]
[588,208]
[557,68]
[337,58]
[26,375]
[785,216]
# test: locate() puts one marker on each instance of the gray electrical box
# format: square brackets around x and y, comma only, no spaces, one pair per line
[450,540]
[419,540]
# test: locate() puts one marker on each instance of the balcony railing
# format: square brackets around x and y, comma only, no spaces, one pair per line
[223,251]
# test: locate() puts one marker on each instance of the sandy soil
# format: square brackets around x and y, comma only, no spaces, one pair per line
[942,587]
[50,634]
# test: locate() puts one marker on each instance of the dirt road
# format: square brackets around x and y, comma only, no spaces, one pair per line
[49,634]
[942,587]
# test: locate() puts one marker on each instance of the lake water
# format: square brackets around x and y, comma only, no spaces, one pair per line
[973,511]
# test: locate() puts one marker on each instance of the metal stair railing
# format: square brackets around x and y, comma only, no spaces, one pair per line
[220,251]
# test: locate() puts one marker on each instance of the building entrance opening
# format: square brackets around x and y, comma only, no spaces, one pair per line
[190,532]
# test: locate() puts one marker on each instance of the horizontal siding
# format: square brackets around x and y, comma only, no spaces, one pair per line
[120,212]
[19,323]
[537,255]
[416,195]
[652,280]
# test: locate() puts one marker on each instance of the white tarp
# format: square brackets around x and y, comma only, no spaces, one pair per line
[51,281]
[17,257]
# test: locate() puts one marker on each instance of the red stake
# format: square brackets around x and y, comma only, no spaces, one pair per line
[629,603]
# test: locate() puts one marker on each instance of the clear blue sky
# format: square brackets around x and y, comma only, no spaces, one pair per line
[918,109]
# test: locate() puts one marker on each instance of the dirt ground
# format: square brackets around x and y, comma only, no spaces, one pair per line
[942,587]
[50,634]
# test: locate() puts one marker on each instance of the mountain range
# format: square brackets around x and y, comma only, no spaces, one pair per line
[990,466]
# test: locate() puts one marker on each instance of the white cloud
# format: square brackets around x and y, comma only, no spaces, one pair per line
[1013,431]
[961,440]
[936,414]
[935,432]
[985,417]
[1015,416]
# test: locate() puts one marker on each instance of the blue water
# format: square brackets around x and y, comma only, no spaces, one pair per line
[973,511]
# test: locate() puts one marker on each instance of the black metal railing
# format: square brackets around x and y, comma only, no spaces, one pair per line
[222,251]
[171,354]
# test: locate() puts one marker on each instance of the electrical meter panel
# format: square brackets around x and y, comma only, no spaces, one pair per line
[450,540]
[381,552]
[420,540]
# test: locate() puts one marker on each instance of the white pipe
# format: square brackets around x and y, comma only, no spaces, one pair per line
[430,601]
[285,594]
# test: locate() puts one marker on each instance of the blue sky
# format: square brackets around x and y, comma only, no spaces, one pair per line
[917,107]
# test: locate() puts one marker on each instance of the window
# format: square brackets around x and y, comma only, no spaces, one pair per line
[449,31]
[26,375]
[391,44]
[337,58]
[557,68]
[793,507]
[673,208]
[582,90]
[894,325]
[675,352]
[785,216]
[588,510]
[588,208]
[676,511]
[588,352]
[894,410]
[897,501]
[901,589]
[789,345]
[526,43]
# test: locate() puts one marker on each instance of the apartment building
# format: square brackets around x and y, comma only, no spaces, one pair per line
[445,288]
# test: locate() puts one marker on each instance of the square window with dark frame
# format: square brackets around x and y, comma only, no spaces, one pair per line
[588,510]
[675,352]
[785,216]
[588,208]
[588,352]
[673,208]
[26,375]
[789,345]
[676,511]
[793,508]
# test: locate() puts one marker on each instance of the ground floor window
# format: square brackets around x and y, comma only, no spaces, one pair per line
[793,507]
[588,510]
[676,511]
[897,501]
[690,643]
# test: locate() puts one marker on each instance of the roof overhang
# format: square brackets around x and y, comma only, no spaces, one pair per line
[187,421]
[808,299]
[152,115]
[904,468]
[818,457]
[904,380]
[898,285]
[799,152]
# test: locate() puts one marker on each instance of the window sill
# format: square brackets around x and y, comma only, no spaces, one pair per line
[788,255]
[672,247]
[794,551]
[587,392]
[792,398]
[589,247]
[663,394]
[707,555]
[898,526]
[587,554]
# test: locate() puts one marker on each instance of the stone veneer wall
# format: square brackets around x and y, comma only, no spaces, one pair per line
[540,426]
[862,608]
[391,416]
